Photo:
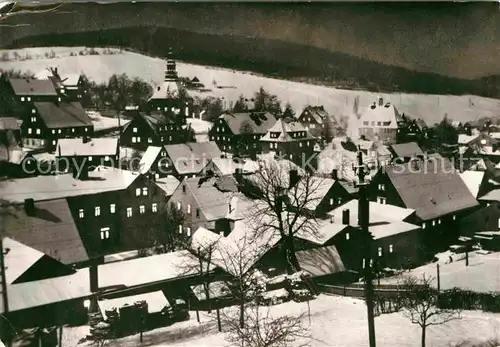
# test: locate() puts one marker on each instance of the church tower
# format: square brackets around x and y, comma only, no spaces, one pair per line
[171,71]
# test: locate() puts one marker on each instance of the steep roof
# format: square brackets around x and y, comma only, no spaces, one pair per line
[168,90]
[212,202]
[18,259]
[464,139]
[433,188]
[317,112]
[320,261]
[192,157]
[51,230]
[407,150]
[227,166]
[28,86]
[41,188]
[286,131]
[149,158]
[259,122]
[473,180]
[63,114]
[9,123]
[313,189]
[95,147]
[383,114]
[168,184]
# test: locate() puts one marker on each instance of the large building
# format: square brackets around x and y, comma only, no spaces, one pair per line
[289,140]
[114,210]
[380,122]
[46,122]
[69,86]
[171,94]
[240,133]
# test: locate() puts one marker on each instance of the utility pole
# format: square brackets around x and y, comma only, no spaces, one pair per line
[4,322]
[364,220]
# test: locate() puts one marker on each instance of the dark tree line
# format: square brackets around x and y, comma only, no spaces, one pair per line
[119,92]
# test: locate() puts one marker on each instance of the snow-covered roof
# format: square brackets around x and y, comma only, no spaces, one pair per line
[472,180]
[464,139]
[313,189]
[149,158]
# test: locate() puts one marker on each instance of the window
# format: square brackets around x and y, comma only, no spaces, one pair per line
[54,142]
[150,140]
[72,130]
[90,158]
[129,212]
[59,131]
[81,214]
[154,207]
[38,131]
[433,223]
[145,191]
[179,206]
[137,191]
[423,225]
[381,200]
[365,123]
[180,229]
[391,249]
[331,201]
[112,208]
[106,158]
[308,143]
[454,217]
[142,209]
[197,213]
[22,98]
[300,144]
[439,220]
[170,138]
[97,211]
[134,140]
[184,189]
[29,130]
[53,131]
[138,139]
[58,99]
[188,209]
[104,233]
[499,223]
[33,119]
[379,123]
[347,236]
[134,130]
[380,251]
[381,187]
[188,231]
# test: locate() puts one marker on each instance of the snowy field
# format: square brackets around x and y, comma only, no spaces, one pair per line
[482,274]
[339,102]
[335,321]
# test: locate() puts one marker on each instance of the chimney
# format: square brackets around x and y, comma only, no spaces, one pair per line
[335,174]
[380,101]
[345,217]
[238,174]
[29,207]
[294,177]
[94,277]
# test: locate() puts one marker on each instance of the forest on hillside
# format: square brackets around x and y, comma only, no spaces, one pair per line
[271,58]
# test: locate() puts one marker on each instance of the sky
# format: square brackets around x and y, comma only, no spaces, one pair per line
[455,39]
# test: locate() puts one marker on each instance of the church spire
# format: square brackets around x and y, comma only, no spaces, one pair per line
[171,72]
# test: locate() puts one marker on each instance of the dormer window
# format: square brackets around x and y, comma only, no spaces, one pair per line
[134,130]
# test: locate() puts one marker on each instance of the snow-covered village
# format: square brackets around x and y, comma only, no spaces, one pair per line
[170,177]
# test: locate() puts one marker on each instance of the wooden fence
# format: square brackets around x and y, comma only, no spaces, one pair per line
[358,291]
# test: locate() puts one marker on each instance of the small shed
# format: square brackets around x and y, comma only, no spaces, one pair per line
[156,303]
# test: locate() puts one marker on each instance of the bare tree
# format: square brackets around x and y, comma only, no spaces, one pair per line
[264,330]
[237,257]
[284,207]
[419,300]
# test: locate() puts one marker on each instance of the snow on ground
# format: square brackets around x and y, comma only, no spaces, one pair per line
[335,321]
[482,274]
[339,102]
